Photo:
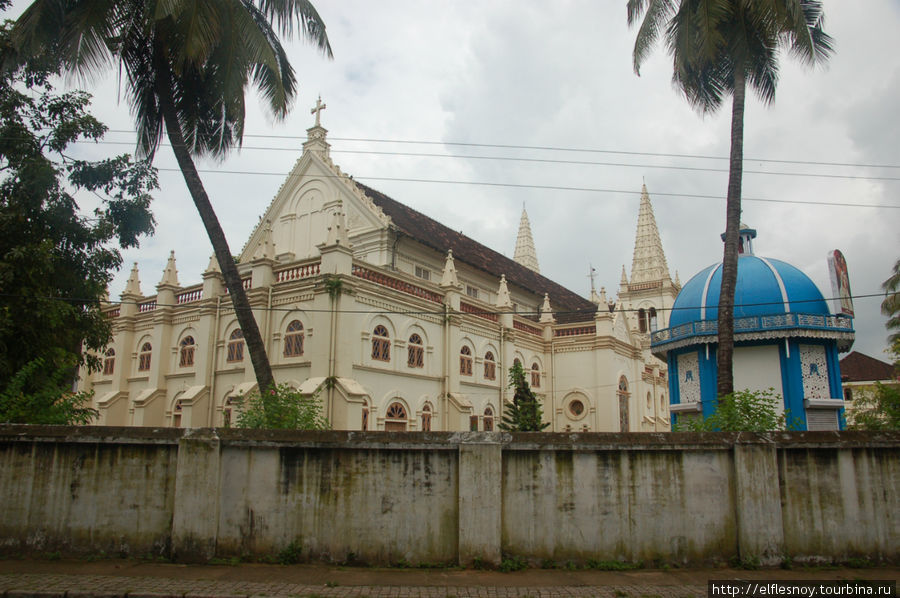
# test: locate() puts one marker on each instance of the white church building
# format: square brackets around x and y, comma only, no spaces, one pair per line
[395,320]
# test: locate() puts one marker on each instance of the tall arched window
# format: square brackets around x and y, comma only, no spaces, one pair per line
[426,418]
[186,352]
[465,361]
[642,320]
[293,339]
[235,347]
[622,393]
[144,357]
[109,362]
[365,416]
[652,316]
[415,352]
[395,418]
[490,366]
[488,419]
[649,401]
[517,362]
[381,344]
[535,376]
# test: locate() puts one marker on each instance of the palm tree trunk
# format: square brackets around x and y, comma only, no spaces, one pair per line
[725,352]
[255,346]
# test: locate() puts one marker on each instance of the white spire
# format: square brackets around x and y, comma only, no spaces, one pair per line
[649,261]
[133,286]
[265,249]
[337,231]
[525,252]
[448,278]
[170,274]
[503,298]
[546,311]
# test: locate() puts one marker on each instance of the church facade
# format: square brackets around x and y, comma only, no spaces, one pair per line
[394,320]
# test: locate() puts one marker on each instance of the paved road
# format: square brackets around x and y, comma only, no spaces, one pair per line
[101,579]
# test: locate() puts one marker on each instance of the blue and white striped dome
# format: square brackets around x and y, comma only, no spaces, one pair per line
[764,287]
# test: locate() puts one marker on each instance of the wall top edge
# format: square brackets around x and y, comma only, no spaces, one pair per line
[520,441]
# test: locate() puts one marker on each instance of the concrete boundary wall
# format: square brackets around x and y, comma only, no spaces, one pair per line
[377,497]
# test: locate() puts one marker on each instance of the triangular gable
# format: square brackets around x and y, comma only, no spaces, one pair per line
[301,211]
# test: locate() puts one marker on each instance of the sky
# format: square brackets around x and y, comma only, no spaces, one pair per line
[822,164]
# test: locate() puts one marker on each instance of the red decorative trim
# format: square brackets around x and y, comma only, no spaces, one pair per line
[478,311]
[575,331]
[396,284]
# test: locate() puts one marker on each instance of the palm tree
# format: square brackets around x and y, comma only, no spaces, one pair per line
[719,47]
[187,64]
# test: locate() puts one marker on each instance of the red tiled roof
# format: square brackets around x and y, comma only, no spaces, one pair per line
[568,306]
[857,367]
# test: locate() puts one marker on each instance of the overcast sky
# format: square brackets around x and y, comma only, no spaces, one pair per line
[559,75]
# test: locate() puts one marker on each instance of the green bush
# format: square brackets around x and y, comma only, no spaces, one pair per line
[743,411]
[281,408]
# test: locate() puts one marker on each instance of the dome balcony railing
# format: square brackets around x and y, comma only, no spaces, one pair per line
[755,324]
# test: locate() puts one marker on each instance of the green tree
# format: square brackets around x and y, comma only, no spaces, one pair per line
[55,261]
[890,307]
[284,408]
[524,413]
[876,410]
[186,64]
[742,411]
[36,395]
[719,47]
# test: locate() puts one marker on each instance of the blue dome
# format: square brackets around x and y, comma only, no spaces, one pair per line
[764,287]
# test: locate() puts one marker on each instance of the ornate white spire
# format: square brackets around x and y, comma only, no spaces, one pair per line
[546,311]
[525,252]
[170,274]
[649,261]
[133,286]
[265,249]
[337,231]
[503,298]
[213,265]
[448,278]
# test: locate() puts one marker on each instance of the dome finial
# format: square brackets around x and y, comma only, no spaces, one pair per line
[745,239]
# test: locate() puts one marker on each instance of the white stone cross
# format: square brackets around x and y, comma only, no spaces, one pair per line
[318,110]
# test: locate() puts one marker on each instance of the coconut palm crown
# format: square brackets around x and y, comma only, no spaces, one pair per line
[718,47]
[186,64]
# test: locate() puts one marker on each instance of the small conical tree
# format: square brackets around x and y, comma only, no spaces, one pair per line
[524,413]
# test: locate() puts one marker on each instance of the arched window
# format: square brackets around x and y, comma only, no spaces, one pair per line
[662,401]
[235,347]
[488,419]
[642,320]
[293,339]
[186,352]
[144,357]
[465,361]
[622,393]
[652,319]
[426,418]
[535,376]
[381,344]
[517,362]
[415,352]
[490,366]
[365,416]
[395,418]
[109,362]
[649,401]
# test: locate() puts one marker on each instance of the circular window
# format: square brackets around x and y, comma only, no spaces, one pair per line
[576,407]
